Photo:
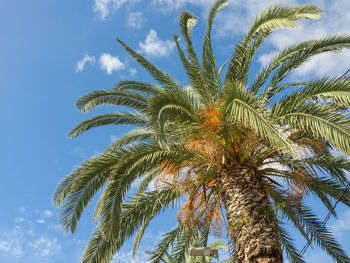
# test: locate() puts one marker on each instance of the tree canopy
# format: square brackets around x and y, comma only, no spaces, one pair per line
[294,136]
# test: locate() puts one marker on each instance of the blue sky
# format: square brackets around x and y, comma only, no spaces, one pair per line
[52,52]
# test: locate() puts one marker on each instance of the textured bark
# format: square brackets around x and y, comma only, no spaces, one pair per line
[252,228]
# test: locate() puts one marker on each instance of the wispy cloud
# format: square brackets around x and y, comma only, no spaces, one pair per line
[10,243]
[264,58]
[105,7]
[174,5]
[46,213]
[81,63]
[109,63]
[132,71]
[24,209]
[136,20]
[324,65]
[153,46]
[149,241]
[342,225]
[20,219]
[32,241]
[45,247]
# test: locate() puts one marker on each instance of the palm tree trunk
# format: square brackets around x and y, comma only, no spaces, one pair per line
[252,226]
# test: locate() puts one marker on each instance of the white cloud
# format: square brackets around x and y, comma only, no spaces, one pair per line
[11,244]
[44,248]
[325,64]
[31,232]
[132,71]
[264,58]
[105,7]
[81,63]
[46,213]
[153,46]
[172,5]
[41,221]
[19,219]
[342,225]
[110,63]
[55,227]
[136,20]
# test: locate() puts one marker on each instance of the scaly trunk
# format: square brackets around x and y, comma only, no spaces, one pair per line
[252,226]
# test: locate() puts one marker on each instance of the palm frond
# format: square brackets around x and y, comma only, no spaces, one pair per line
[147,179]
[327,90]
[143,207]
[143,87]
[277,16]
[328,164]
[193,73]
[321,120]
[64,188]
[288,246]
[134,136]
[294,56]
[209,64]
[138,237]
[126,118]
[169,238]
[241,110]
[98,249]
[282,16]
[91,176]
[185,240]
[176,105]
[308,224]
[113,96]
[186,23]
[156,73]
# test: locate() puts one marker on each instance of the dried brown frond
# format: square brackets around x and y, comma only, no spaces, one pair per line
[309,143]
[171,173]
[189,214]
[269,154]
[208,149]
[300,179]
[297,189]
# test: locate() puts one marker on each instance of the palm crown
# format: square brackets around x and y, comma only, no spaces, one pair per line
[253,147]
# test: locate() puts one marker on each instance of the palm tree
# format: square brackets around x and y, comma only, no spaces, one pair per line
[241,148]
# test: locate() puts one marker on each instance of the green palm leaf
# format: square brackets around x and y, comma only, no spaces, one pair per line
[125,118]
